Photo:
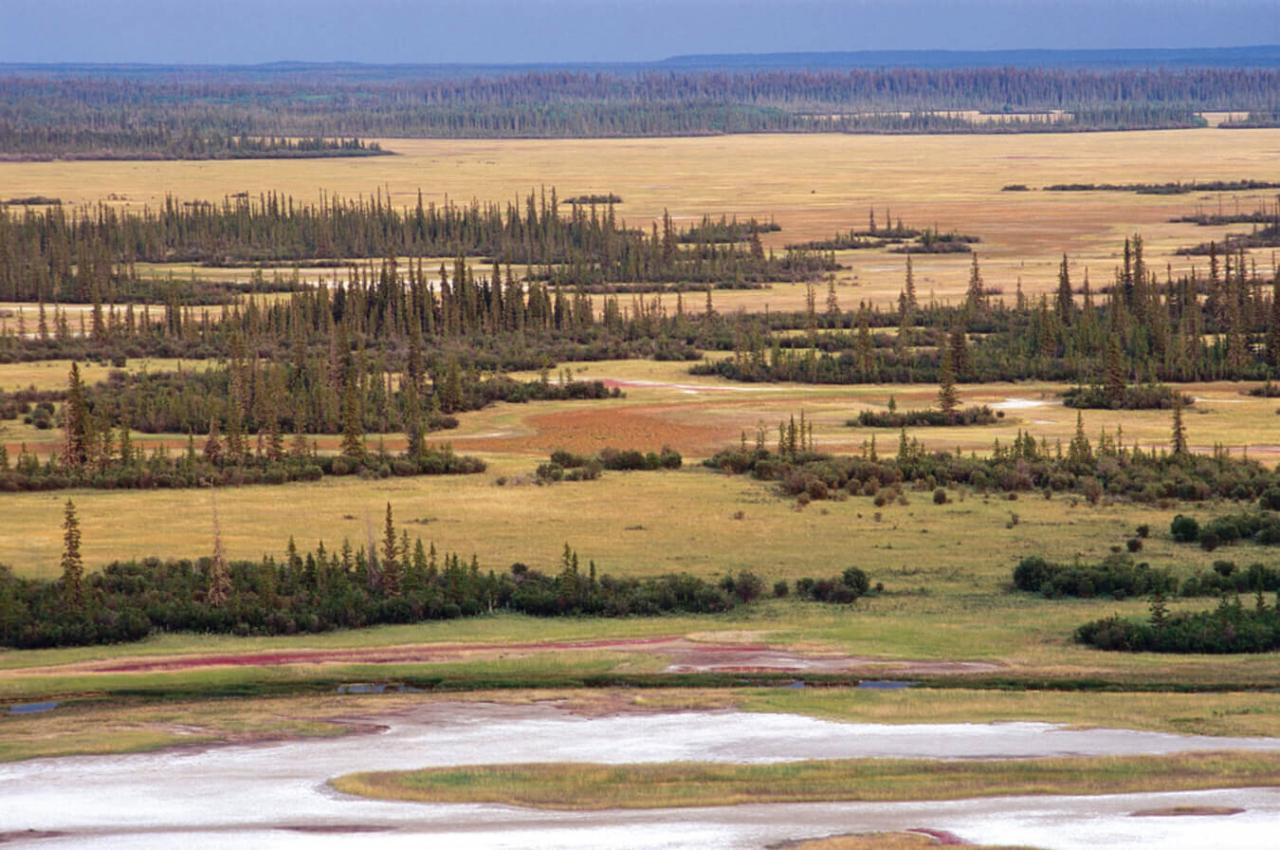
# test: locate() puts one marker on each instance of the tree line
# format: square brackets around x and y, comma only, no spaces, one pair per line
[1107,467]
[666,103]
[386,579]
[1219,323]
[87,255]
[43,142]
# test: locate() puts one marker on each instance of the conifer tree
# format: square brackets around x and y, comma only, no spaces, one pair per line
[1065,300]
[866,348]
[909,302]
[352,426]
[72,581]
[975,296]
[212,444]
[390,557]
[1179,441]
[948,398]
[1273,328]
[1115,379]
[1079,452]
[219,575]
[413,421]
[75,422]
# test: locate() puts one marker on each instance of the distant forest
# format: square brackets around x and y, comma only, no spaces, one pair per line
[178,114]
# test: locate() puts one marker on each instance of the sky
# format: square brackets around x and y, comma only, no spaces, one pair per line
[530,31]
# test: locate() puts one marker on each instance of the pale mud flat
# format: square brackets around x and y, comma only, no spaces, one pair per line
[275,795]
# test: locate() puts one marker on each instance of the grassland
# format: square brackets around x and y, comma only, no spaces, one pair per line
[680,784]
[945,568]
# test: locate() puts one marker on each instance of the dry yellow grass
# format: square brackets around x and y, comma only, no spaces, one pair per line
[813,185]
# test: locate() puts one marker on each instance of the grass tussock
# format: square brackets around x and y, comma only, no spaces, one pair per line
[588,787]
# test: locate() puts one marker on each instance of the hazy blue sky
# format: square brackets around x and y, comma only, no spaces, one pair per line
[498,31]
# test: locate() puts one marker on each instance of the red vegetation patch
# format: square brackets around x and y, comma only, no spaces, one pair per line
[590,430]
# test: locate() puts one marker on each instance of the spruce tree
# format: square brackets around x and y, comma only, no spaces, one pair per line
[72,582]
[1065,300]
[75,422]
[948,398]
[352,426]
[1179,441]
[413,421]
[213,445]
[219,575]
[1115,379]
[390,558]
[1273,328]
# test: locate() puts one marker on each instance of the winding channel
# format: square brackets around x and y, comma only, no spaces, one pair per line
[275,795]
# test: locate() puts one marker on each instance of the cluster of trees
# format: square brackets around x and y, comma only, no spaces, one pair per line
[560,103]
[565,465]
[1230,628]
[154,143]
[87,255]
[1223,323]
[893,418]
[1266,236]
[1116,575]
[391,580]
[710,231]
[903,239]
[1264,214]
[1111,469]
[1114,394]
[1174,188]
[1261,527]
[98,449]
[314,396]
[1227,578]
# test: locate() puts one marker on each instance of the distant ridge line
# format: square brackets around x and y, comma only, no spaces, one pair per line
[1247,57]
[1257,56]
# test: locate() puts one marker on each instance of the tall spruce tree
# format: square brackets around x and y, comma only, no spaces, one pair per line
[72,581]
[1179,437]
[75,422]
[391,557]
[948,398]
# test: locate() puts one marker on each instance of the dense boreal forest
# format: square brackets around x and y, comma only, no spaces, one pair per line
[50,116]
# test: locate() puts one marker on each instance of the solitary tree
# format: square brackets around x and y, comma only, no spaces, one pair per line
[219,575]
[72,563]
[948,398]
[1179,430]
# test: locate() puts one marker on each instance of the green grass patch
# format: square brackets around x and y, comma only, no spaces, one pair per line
[679,784]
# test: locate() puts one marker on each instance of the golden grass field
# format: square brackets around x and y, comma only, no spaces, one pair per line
[812,184]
